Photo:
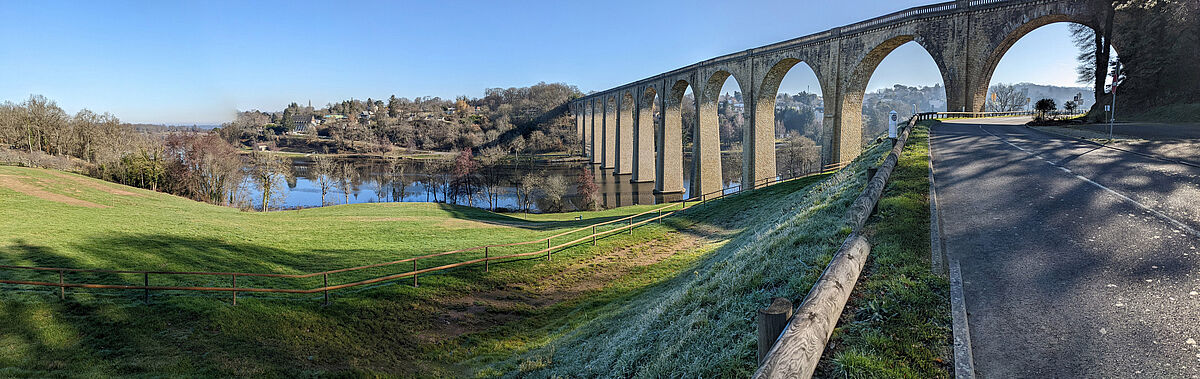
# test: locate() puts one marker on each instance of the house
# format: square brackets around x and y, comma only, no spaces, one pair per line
[302,123]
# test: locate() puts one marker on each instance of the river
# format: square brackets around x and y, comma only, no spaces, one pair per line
[407,182]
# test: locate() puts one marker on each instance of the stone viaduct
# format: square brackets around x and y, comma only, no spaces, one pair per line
[966,38]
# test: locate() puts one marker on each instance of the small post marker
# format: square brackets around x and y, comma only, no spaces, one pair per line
[234,286]
[326,277]
[771,322]
[62,289]
[485,259]
[415,273]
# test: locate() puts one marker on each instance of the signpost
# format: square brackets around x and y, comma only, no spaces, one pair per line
[1112,110]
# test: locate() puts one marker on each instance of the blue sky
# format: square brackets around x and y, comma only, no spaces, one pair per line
[198,61]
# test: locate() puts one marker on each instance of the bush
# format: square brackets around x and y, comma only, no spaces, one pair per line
[1043,108]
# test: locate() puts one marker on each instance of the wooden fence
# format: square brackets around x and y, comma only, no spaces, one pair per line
[628,223]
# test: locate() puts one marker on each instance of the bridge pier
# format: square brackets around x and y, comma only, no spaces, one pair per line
[668,160]
[594,144]
[624,134]
[643,136]
[608,141]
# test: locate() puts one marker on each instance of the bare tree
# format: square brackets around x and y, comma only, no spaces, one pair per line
[323,170]
[345,178]
[525,189]
[553,188]
[1006,98]
[587,189]
[270,173]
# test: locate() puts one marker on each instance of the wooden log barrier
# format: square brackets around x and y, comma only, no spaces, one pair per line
[799,348]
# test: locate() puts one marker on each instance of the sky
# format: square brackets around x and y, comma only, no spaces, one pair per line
[185,62]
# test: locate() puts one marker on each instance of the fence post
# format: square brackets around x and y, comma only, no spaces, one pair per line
[593,235]
[771,322]
[234,288]
[146,285]
[485,259]
[62,288]
[631,226]
[415,273]
[659,216]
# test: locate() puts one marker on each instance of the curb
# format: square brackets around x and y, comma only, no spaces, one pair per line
[964,361]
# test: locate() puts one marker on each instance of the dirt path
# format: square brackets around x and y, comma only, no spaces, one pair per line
[480,311]
[91,183]
[16,184]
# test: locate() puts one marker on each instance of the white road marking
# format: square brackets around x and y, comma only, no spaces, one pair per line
[1144,207]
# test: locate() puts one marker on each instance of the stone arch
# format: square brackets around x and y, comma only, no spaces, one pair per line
[848,141]
[668,159]
[978,94]
[624,133]
[764,114]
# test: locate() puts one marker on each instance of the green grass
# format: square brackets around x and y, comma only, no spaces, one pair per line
[453,324]
[897,323]
[702,323]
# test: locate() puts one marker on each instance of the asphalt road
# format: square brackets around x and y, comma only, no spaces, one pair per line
[1076,260]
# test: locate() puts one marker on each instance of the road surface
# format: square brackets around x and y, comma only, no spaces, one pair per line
[1076,260]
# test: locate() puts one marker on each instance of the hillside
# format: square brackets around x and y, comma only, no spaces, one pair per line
[453,324]
[702,323]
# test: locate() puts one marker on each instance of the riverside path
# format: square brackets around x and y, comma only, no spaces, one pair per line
[1076,260]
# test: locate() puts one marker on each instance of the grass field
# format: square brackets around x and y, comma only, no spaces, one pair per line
[897,323]
[702,323]
[452,324]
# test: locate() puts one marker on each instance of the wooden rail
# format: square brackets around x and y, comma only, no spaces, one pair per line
[670,210]
[798,349]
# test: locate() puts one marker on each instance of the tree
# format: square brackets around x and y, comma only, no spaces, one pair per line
[269,174]
[464,180]
[1070,107]
[400,182]
[1006,98]
[525,188]
[345,178]
[587,189]
[491,161]
[323,171]
[1044,107]
[553,188]
[202,167]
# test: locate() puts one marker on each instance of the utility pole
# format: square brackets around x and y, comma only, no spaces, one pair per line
[1112,114]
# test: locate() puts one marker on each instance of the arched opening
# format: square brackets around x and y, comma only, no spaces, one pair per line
[795,99]
[645,147]
[716,148]
[1042,60]
[731,122]
[678,118]
[896,76]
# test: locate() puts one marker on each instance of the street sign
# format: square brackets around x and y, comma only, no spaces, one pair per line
[1107,108]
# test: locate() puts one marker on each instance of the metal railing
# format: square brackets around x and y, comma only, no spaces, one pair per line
[940,115]
[629,223]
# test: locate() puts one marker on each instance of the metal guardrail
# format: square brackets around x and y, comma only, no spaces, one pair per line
[939,115]
[416,271]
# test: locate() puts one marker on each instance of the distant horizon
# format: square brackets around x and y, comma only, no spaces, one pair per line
[205,61]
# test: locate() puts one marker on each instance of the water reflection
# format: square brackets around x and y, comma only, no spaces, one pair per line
[379,180]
